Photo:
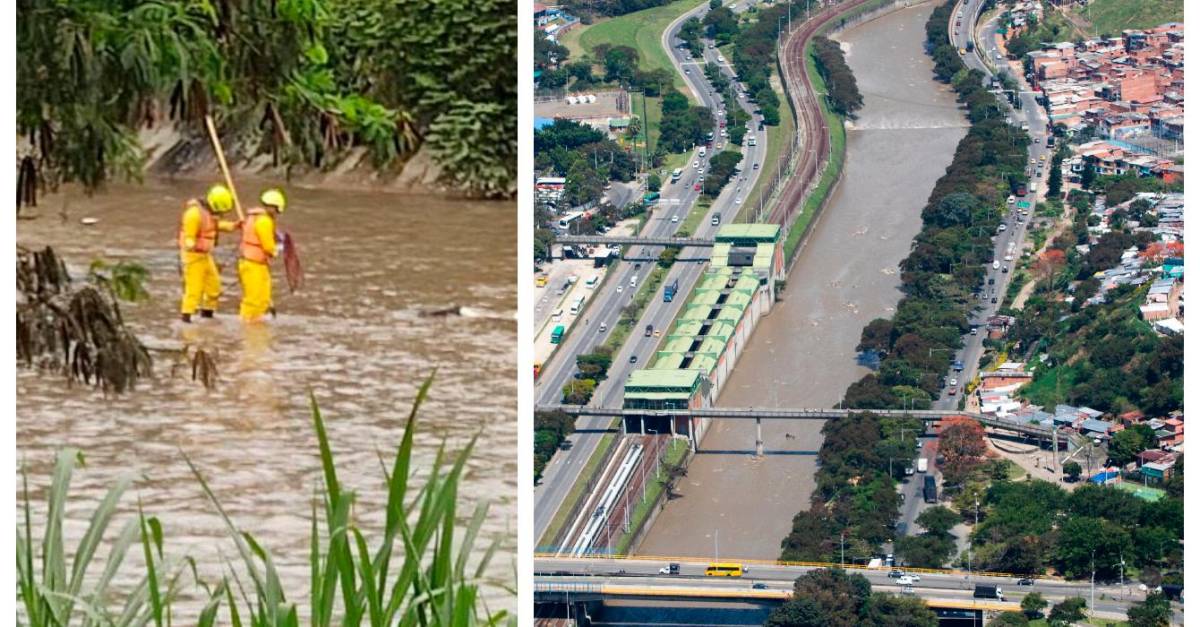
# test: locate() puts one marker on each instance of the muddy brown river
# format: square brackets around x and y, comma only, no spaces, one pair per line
[355,337]
[802,354]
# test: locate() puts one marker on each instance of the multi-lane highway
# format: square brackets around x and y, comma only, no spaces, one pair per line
[617,291]
[1111,600]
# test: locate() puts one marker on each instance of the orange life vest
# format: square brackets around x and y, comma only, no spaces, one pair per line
[206,236]
[252,249]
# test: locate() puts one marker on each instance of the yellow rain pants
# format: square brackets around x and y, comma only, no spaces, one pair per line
[201,283]
[256,289]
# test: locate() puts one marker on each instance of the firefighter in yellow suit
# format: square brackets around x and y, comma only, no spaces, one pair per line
[259,247]
[198,228]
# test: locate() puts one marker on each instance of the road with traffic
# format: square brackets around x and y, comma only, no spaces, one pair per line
[1015,224]
[618,290]
[1111,600]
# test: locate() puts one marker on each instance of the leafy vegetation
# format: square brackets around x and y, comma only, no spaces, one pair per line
[1028,526]
[722,167]
[303,81]
[549,431]
[754,57]
[609,7]
[843,87]
[414,575]
[854,494]
[831,597]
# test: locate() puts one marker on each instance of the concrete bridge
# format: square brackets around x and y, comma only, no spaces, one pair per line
[756,414]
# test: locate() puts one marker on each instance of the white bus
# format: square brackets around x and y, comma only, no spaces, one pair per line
[565,221]
[577,306]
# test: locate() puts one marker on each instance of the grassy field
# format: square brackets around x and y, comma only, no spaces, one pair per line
[692,221]
[1113,16]
[652,116]
[572,37]
[642,31]
[590,468]
[675,452]
[828,177]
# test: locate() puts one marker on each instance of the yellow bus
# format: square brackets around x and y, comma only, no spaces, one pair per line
[724,569]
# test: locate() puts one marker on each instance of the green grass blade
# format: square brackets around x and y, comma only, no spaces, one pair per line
[54,564]
[156,603]
[367,572]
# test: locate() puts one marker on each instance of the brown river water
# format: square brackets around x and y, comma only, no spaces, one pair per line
[354,337]
[802,354]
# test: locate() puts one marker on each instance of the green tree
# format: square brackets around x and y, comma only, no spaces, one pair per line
[1071,610]
[578,391]
[938,520]
[1033,604]
[840,597]
[654,182]
[1088,177]
[667,257]
[1072,470]
[1126,444]
[796,612]
[1154,611]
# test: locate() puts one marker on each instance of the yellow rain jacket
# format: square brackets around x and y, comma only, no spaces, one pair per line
[198,229]
[254,269]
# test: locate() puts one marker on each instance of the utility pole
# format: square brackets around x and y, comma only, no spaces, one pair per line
[1092,605]
[843,549]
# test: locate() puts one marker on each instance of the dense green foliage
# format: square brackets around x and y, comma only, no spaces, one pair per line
[933,547]
[722,167]
[1028,526]
[833,598]
[854,492]
[754,57]
[549,431]
[683,125]
[1154,611]
[303,81]
[609,8]
[585,156]
[843,87]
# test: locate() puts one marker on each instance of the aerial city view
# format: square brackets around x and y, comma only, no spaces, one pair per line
[858,313]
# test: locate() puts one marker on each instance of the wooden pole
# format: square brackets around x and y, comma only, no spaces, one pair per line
[216,142]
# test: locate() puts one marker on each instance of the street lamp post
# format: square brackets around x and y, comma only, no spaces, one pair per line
[843,549]
[1092,605]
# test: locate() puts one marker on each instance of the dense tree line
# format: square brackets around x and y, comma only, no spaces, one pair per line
[303,81]
[585,156]
[683,125]
[722,167]
[1030,526]
[721,24]
[854,493]
[549,431]
[946,264]
[754,58]
[833,598]
[609,8]
[840,81]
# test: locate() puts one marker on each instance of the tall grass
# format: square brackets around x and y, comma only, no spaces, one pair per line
[416,574]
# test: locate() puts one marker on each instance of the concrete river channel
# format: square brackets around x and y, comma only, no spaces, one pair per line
[802,354]
[397,286]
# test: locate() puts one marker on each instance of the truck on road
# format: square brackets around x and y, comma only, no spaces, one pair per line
[670,290]
[923,465]
[989,592]
[930,490]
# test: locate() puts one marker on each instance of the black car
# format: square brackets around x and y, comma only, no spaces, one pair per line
[993,300]
[759,586]
[633,358]
[895,573]
[1025,582]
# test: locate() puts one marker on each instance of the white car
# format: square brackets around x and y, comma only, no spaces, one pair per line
[1003,228]
[1012,200]
[738,200]
[953,382]
[696,164]
[674,219]
[907,580]
[995,265]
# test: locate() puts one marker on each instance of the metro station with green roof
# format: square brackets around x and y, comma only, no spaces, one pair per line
[697,354]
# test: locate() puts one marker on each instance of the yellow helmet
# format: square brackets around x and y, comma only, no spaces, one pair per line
[274,198]
[219,198]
